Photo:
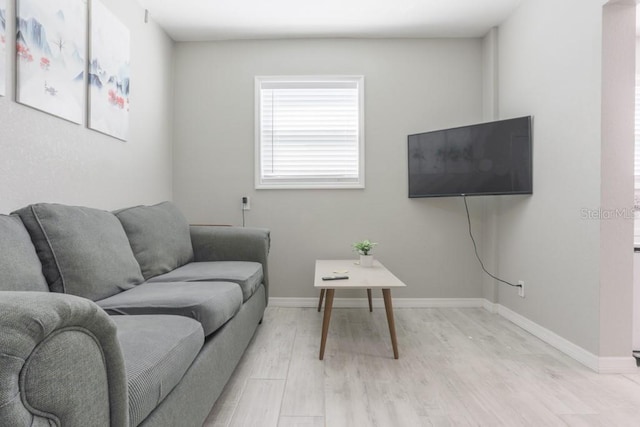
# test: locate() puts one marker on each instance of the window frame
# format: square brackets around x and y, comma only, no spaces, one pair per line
[261,183]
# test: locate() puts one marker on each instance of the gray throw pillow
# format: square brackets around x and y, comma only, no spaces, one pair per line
[20,268]
[159,236]
[83,251]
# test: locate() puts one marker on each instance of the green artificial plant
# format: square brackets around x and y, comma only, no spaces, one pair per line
[364,247]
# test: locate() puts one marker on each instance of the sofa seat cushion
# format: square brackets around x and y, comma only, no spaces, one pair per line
[157,352]
[20,268]
[246,274]
[84,251]
[159,236]
[211,304]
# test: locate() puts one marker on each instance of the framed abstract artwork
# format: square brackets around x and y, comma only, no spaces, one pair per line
[109,73]
[50,56]
[3,47]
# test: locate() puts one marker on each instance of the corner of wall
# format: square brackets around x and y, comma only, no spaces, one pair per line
[490,111]
[617,192]
[490,86]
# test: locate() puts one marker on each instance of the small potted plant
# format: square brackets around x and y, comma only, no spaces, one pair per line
[364,248]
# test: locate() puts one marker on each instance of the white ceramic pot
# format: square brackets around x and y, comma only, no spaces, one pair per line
[366,260]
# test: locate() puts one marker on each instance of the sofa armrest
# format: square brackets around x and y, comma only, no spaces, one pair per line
[219,243]
[60,362]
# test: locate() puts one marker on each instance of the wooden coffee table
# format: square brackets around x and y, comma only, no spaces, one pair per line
[375,277]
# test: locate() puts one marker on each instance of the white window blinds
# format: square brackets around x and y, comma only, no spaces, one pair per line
[309,132]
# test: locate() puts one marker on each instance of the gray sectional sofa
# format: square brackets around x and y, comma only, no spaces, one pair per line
[122,318]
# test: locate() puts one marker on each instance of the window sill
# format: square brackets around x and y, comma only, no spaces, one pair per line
[310,187]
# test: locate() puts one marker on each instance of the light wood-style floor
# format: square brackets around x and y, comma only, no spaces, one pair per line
[457,367]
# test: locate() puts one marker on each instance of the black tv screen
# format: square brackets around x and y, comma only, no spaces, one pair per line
[484,159]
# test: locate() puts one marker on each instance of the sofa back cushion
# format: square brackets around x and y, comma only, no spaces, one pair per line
[20,268]
[159,236]
[83,251]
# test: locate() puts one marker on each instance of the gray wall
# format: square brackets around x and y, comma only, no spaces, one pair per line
[44,158]
[410,86]
[550,67]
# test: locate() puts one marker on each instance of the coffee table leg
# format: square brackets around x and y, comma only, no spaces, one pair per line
[370,302]
[321,298]
[386,294]
[328,305]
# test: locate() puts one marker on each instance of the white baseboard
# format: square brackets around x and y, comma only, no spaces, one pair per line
[578,353]
[617,365]
[436,302]
[491,307]
[293,302]
[378,302]
[603,365]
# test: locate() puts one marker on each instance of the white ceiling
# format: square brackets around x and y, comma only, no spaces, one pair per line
[201,20]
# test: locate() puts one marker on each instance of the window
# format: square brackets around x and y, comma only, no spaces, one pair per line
[309,132]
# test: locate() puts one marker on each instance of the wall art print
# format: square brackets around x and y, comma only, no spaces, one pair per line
[3,47]
[109,73]
[50,56]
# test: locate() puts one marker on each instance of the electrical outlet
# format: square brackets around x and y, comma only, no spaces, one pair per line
[521,288]
[246,203]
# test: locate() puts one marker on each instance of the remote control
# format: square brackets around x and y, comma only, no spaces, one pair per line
[335,277]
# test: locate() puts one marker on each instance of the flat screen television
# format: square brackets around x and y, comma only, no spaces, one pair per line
[492,158]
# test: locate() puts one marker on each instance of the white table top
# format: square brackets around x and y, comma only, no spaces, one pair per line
[375,277]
